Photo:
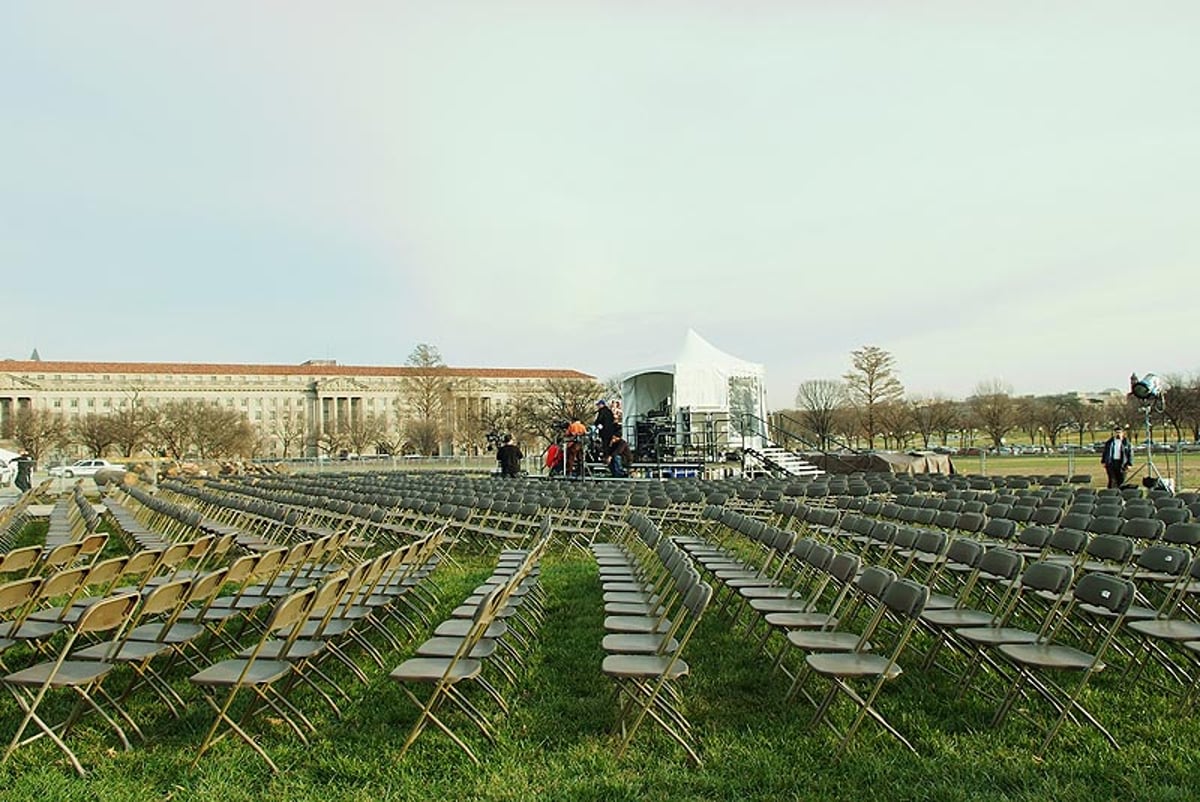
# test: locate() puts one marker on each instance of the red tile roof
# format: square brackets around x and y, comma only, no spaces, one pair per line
[23,366]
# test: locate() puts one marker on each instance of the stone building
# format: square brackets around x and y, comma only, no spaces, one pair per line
[297,403]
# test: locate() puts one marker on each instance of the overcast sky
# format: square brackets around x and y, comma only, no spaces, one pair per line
[989,190]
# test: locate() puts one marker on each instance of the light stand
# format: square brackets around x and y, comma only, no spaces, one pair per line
[1151,392]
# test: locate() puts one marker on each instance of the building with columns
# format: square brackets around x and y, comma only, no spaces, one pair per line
[299,403]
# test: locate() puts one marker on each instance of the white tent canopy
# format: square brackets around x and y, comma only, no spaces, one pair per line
[701,379]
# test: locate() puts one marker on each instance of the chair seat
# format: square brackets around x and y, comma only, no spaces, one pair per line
[448,647]
[960,617]
[1049,655]
[853,664]
[634,643]
[994,636]
[459,627]
[433,669]
[636,623]
[643,665]
[131,651]
[825,641]
[179,633]
[1167,629]
[229,672]
[801,619]
[769,592]
[299,650]
[71,672]
[792,604]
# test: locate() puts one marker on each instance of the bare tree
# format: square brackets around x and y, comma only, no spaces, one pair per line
[222,432]
[132,422]
[818,401]
[424,396]
[895,423]
[37,430]
[872,381]
[365,432]
[173,434]
[289,428]
[1052,415]
[93,432]
[993,410]
[1182,406]
[206,429]
[556,400]
[932,416]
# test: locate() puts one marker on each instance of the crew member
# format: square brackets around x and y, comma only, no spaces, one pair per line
[605,421]
[1116,456]
[509,457]
[619,456]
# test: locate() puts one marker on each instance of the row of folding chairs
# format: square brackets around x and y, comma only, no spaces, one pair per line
[654,599]
[178,617]
[485,643]
[1130,608]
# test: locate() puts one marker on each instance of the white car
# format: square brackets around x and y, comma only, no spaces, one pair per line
[84,467]
[8,467]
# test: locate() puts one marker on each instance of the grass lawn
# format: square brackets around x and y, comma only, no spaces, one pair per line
[1187,475]
[557,742]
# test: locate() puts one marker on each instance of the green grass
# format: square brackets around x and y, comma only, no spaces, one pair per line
[1187,478]
[557,743]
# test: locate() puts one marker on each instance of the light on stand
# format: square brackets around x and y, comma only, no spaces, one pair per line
[1147,388]
[1151,392]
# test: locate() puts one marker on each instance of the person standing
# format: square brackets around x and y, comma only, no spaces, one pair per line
[619,456]
[24,464]
[605,421]
[509,457]
[1116,457]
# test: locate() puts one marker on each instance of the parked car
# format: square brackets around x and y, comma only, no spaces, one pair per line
[8,467]
[84,467]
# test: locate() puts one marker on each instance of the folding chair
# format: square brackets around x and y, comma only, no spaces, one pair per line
[905,599]
[647,681]
[259,676]
[30,686]
[1034,663]
[445,675]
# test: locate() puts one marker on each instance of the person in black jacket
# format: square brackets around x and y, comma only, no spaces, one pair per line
[1116,456]
[24,464]
[605,421]
[509,457]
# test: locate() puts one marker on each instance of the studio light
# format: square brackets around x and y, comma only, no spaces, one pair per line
[1146,388]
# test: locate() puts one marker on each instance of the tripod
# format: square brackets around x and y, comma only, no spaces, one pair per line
[1152,478]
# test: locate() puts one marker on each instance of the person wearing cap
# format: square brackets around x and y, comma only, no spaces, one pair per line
[1116,456]
[606,422]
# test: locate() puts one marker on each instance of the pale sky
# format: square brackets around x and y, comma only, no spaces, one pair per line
[989,190]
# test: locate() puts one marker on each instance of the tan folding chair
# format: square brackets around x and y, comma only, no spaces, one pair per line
[259,676]
[646,683]
[445,675]
[30,686]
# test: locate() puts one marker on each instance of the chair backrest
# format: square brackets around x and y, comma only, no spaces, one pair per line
[1104,590]
[1001,564]
[1050,577]
[999,529]
[108,614]
[1187,534]
[905,597]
